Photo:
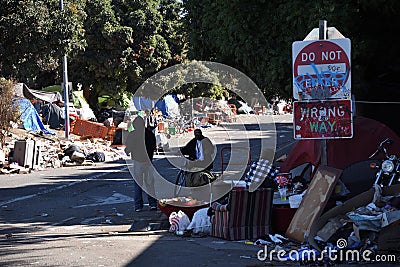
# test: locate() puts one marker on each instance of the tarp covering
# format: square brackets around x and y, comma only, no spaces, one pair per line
[21,90]
[168,106]
[86,113]
[143,103]
[341,153]
[53,115]
[30,117]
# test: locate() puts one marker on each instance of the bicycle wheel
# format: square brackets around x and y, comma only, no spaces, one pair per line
[180,181]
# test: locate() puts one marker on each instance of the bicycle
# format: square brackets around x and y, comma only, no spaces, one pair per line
[180,181]
[203,177]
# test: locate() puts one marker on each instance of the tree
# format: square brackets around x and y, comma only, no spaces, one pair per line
[158,39]
[101,67]
[128,41]
[196,80]
[35,35]
[7,110]
[256,36]
[112,46]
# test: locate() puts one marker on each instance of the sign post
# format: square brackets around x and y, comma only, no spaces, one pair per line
[322,88]
[65,87]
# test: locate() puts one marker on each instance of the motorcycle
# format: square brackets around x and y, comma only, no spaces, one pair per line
[389,170]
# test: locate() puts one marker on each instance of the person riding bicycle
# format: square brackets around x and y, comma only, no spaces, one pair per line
[200,151]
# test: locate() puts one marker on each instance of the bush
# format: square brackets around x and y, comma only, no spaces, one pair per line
[7,110]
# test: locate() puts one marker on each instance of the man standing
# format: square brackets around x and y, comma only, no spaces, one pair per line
[152,119]
[141,144]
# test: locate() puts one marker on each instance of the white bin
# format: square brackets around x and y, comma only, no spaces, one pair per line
[23,152]
[295,201]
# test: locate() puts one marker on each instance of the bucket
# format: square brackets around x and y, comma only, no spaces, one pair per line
[171,130]
[295,201]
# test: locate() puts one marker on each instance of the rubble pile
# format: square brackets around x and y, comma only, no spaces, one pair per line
[53,151]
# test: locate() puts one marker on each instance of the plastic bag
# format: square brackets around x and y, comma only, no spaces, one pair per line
[179,221]
[200,222]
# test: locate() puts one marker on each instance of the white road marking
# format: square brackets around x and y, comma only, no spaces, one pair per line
[63,221]
[116,198]
[4,203]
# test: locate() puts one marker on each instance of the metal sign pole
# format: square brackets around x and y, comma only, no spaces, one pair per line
[65,87]
[322,36]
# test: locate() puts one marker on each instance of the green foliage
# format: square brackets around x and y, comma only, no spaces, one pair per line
[7,111]
[256,36]
[113,46]
[157,37]
[128,41]
[102,65]
[35,34]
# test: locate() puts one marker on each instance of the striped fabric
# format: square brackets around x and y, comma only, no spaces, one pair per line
[247,216]
[174,222]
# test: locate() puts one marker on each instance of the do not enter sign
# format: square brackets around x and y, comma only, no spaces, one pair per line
[321,69]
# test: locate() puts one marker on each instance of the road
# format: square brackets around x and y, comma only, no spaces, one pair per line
[80,216]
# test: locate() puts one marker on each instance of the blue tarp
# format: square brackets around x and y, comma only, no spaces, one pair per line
[30,117]
[143,103]
[160,104]
[171,105]
[168,106]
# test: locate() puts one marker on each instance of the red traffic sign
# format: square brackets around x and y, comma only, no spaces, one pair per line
[321,69]
[328,119]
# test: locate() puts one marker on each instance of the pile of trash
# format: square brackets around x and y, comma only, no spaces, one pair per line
[26,151]
[346,234]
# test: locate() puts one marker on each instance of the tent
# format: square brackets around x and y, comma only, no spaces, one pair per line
[53,115]
[169,105]
[341,153]
[81,106]
[85,112]
[22,90]
[349,155]
[143,103]
[30,117]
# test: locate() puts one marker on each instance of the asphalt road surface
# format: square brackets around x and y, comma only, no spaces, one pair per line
[80,216]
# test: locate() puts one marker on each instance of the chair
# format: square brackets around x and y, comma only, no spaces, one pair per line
[234,156]
[232,113]
[246,216]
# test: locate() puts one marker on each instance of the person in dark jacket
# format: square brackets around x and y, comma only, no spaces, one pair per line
[140,144]
[201,150]
[152,120]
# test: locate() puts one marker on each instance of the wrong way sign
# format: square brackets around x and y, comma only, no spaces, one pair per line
[321,69]
[329,119]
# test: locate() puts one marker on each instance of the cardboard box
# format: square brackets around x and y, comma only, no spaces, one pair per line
[313,202]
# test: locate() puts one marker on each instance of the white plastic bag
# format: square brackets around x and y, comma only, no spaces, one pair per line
[164,144]
[179,221]
[200,222]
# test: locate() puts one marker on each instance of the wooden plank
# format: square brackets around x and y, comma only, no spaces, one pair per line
[313,203]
